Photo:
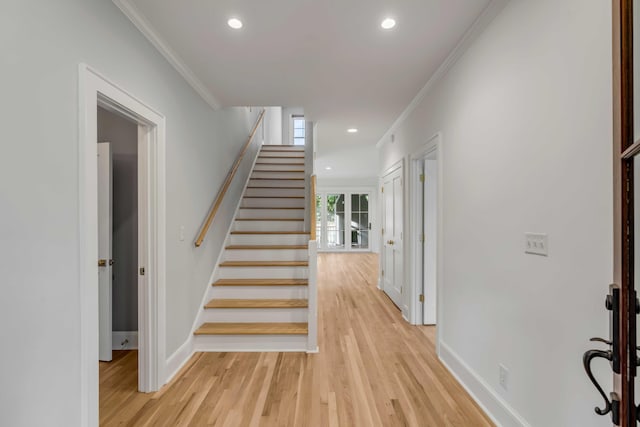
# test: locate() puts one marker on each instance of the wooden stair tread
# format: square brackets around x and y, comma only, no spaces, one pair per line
[279,179]
[269,207]
[274,197]
[252,329]
[269,232]
[265,247]
[280,171]
[276,188]
[261,282]
[257,303]
[269,219]
[264,264]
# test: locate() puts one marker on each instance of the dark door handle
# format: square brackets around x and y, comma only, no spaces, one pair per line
[587,358]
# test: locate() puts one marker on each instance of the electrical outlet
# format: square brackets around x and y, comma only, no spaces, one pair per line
[536,244]
[504,377]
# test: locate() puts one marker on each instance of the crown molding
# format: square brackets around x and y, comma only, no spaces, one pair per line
[134,15]
[482,21]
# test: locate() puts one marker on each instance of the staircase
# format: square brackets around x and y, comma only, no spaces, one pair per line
[260,296]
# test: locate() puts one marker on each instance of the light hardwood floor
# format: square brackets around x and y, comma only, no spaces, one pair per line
[373,369]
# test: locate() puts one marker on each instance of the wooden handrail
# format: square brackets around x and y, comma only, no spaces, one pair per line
[313,208]
[227,183]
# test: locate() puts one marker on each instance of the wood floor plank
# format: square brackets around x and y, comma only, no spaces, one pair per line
[266,247]
[373,369]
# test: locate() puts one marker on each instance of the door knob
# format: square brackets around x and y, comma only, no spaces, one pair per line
[389,242]
[103,262]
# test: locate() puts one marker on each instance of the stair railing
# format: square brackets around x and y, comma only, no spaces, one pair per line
[227,183]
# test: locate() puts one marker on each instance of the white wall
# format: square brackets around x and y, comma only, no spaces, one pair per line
[123,138]
[525,116]
[42,44]
[273,126]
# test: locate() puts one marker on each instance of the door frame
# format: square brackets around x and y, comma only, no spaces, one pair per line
[348,191]
[399,165]
[96,90]
[416,256]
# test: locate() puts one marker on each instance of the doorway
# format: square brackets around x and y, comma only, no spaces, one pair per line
[97,91]
[118,219]
[425,219]
[392,234]
[344,220]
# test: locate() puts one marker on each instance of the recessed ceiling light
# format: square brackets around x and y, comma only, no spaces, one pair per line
[328,168]
[352,130]
[388,23]
[235,23]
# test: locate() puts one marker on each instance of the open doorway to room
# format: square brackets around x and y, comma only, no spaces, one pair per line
[118,239]
[425,205]
[96,225]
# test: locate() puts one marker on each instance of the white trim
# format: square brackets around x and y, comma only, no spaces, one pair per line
[94,90]
[433,145]
[484,19]
[118,337]
[147,30]
[500,412]
[178,359]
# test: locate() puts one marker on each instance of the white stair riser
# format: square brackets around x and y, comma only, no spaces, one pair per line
[279,160]
[255,315]
[271,213]
[268,225]
[272,203]
[252,343]
[266,154]
[285,147]
[274,175]
[274,192]
[266,254]
[258,292]
[269,239]
[263,272]
[276,182]
[296,168]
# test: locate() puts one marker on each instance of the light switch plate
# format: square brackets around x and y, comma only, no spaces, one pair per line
[536,244]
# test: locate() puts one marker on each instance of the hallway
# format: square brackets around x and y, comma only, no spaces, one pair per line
[373,369]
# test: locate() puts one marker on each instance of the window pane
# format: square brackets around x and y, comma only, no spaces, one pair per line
[298,141]
[364,221]
[355,221]
[364,203]
[298,124]
[355,203]
[360,240]
[340,203]
[298,133]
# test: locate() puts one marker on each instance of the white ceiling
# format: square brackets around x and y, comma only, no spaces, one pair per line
[328,56]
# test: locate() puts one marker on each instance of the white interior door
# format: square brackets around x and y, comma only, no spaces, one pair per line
[430,241]
[392,236]
[105,233]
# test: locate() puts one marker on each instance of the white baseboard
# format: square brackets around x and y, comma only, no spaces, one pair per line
[118,339]
[178,359]
[493,405]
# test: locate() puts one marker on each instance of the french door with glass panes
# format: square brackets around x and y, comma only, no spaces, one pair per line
[343,221]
